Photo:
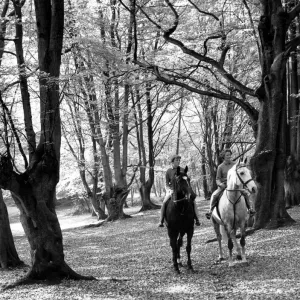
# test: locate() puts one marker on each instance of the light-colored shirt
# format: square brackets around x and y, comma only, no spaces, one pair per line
[222,171]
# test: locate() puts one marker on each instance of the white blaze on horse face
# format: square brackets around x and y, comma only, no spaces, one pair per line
[186,179]
[245,179]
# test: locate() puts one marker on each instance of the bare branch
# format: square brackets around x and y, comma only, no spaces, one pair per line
[204,12]
[219,66]
[6,110]
[253,29]
[293,14]
[291,45]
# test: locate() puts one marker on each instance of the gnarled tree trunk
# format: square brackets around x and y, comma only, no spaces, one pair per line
[269,160]
[34,190]
[9,257]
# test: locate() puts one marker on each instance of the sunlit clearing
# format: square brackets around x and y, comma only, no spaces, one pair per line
[265,287]
[179,289]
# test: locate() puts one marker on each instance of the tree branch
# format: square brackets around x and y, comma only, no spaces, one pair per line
[6,110]
[219,67]
[292,45]
[293,14]
[251,111]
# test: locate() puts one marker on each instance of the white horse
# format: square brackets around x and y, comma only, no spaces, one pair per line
[231,211]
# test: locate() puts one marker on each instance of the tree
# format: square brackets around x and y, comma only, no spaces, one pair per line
[34,189]
[265,106]
[291,179]
[9,257]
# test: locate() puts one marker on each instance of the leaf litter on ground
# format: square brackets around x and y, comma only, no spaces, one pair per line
[132,259]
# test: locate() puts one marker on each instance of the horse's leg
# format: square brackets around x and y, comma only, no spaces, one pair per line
[236,245]
[179,245]
[189,248]
[230,244]
[219,239]
[173,243]
[243,242]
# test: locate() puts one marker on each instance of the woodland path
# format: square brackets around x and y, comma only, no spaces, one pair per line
[132,260]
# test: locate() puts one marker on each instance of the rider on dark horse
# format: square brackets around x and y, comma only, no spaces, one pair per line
[221,180]
[175,161]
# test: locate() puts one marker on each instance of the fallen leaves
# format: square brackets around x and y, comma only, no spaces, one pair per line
[132,259]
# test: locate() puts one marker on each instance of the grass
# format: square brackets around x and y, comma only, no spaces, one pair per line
[132,260]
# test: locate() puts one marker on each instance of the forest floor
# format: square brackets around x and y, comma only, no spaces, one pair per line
[132,260]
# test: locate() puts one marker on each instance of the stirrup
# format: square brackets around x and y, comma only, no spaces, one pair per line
[161,224]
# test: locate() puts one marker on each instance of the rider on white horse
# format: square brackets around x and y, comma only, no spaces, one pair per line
[221,180]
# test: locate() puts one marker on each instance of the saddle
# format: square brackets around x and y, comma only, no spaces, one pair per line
[218,197]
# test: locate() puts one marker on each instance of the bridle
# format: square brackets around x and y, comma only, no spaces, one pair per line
[241,180]
[185,198]
[244,183]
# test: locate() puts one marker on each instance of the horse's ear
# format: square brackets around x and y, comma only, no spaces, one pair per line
[178,171]
[245,161]
[186,169]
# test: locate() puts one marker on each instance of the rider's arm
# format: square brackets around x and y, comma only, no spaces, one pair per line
[168,181]
[219,180]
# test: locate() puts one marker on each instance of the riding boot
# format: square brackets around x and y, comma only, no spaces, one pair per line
[213,203]
[196,215]
[251,211]
[162,214]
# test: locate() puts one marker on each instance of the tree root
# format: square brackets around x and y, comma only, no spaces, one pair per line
[125,216]
[94,225]
[16,264]
[150,207]
[49,275]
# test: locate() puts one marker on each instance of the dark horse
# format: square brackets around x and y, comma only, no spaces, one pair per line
[180,216]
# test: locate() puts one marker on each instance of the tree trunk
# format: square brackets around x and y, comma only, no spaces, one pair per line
[269,160]
[115,204]
[227,134]
[8,254]
[291,182]
[33,191]
[206,191]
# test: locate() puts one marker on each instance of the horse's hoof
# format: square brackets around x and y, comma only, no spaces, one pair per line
[239,257]
[191,270]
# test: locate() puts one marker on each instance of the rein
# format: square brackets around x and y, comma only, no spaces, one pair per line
[179,200]
[241,180]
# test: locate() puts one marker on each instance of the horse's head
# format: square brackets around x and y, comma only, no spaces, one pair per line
[181,184]
[240,176]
